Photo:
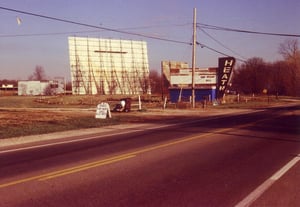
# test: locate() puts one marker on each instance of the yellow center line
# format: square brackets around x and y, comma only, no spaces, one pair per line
[190,138]
[68,170]
[121,157]
[83,167]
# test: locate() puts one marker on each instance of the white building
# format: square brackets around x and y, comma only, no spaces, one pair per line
[108,66]
[35,88]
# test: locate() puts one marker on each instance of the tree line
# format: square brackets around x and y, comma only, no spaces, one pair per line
[256,76]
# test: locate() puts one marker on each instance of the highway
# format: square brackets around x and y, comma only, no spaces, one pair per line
[249,159]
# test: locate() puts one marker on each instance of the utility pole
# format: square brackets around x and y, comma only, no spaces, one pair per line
[194,59]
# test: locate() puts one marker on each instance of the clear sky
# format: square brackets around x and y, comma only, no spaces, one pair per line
[43,42]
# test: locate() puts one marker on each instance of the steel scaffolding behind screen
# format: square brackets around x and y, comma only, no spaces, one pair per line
[108,66]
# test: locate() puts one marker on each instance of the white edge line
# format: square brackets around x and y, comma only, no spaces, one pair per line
[78,140]
[247,201]
[283,170]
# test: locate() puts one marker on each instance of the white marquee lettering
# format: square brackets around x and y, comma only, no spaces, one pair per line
[225,76]
[222,88]
[228,63]
[226,69]
[223,82]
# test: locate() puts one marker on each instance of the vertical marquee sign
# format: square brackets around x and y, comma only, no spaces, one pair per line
[225,69]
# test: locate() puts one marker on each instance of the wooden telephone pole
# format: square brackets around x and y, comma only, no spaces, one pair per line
[194,58]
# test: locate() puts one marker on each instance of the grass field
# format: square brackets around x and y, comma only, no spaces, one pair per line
[21,116]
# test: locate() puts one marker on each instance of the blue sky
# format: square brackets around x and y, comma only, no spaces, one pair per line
[43,42]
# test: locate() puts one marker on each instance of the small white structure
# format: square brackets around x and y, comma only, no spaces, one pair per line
[35,88]
[7,85]
[31,88]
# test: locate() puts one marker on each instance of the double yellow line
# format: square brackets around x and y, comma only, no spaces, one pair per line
[69,170]
[118,158]
[105,161]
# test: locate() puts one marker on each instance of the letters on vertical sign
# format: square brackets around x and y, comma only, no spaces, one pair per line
[225,69]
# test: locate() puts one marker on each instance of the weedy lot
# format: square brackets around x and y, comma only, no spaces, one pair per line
[20,116]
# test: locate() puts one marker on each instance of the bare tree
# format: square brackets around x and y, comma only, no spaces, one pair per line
[250,77]
[38,74]
[280,78]
[289,49]
[155,82]
[279,83]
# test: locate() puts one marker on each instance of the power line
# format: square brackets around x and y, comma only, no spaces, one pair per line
[86,31]
[93,26]
[104,28]
[46,34]
[213,27]
[220,43]
[219,52]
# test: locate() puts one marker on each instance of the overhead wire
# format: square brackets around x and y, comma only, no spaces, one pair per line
[203,26]
[46,34]
[213,27]
[219,52]
[220,43]
[93,26]
[85,31]
[199,25]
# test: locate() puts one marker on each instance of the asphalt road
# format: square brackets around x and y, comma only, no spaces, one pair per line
[231,160]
